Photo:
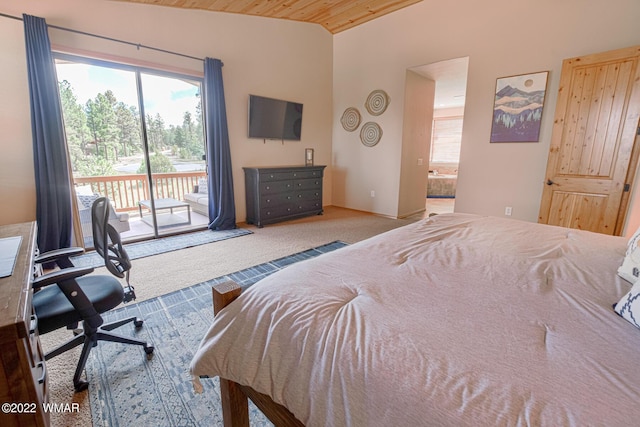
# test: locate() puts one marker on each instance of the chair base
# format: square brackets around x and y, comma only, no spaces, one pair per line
[89,338]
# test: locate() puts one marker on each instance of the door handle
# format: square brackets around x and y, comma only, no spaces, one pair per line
[549,182]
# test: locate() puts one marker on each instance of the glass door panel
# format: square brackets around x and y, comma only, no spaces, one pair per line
[102,126]
[173,122]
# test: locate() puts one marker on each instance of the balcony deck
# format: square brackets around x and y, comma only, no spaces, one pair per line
[126,191]
[141,230]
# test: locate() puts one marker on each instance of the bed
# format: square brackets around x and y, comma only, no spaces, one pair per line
[454,320]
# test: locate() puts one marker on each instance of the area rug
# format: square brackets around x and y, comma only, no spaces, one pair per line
[162,245]
[127,389]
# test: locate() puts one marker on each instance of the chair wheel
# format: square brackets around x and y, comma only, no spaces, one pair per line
[138,323]
[81,386]
[148,349]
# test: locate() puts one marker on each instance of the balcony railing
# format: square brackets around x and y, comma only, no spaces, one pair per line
[125,191]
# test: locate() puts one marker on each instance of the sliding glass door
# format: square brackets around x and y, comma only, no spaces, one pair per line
[135,136]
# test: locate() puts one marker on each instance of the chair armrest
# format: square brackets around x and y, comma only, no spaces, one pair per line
[60,276]
[57,254]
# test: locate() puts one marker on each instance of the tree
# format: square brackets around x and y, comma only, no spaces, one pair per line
[156,133]
[75,122]
[159,164]
[128,121]
[103,123]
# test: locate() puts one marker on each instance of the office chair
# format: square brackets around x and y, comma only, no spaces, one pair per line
[65,297]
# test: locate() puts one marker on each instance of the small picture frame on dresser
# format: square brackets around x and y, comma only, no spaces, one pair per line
[308,156]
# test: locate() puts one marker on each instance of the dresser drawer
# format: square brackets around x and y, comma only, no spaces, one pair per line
[276,176]
[274,212]
[308,195]
[275,187]
[303,174]
[309,206]
[307,184]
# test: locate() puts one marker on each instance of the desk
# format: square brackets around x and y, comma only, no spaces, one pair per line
[23,373]
[165,220]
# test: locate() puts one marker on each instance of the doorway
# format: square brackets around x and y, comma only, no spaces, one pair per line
[450,79]
[135,136]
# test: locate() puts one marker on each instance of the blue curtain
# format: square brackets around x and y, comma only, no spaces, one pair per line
[222,208]
[53,192]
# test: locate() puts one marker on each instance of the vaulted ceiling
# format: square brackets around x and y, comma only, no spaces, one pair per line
[334,15]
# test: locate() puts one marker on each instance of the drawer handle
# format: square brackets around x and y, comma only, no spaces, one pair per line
[33,325]
[288,197]
[268,200]
[267,187]
[43,377]
[299,196]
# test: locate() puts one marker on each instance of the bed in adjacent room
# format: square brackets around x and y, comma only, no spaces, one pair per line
[453,320]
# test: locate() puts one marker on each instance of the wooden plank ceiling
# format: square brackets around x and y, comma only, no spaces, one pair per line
[334,15]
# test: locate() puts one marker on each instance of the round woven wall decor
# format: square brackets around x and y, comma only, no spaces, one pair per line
[377,102]
[370,134]
[350,119]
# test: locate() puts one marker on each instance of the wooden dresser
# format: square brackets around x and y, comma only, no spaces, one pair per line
[23,373]
[279,193]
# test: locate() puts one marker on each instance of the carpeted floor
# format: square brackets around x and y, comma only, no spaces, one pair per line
[163,245]
[127,389]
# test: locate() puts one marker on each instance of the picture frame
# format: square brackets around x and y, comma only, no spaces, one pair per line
[308,156]
[518,106]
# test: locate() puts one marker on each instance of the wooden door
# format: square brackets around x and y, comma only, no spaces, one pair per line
[592,160]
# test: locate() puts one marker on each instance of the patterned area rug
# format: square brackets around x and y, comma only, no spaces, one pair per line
[126,389]
[162,245]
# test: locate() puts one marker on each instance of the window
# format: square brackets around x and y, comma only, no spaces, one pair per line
[446,137]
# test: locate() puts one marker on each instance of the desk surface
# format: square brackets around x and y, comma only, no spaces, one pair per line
[15,298]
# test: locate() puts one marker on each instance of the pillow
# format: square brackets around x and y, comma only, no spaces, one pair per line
[203,186]
[84,190]
[86,200]
[630,268]
[629,305]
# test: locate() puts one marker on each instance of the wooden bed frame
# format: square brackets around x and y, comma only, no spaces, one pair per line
[235,404]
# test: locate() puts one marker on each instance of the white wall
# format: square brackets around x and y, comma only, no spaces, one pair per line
[17,182]
[269,57]
[501,38]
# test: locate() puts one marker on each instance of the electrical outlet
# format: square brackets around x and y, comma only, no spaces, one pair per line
[420,162]
[507,211]
[373,193]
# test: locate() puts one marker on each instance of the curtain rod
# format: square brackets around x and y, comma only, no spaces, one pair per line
[137,45]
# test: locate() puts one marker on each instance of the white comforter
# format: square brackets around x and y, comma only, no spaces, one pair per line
[458,320]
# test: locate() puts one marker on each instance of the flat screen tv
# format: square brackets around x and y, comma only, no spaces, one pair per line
[274,119]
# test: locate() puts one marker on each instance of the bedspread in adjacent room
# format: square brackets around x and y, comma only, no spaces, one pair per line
[456,320]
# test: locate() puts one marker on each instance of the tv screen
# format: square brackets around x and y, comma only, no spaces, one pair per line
[274,119]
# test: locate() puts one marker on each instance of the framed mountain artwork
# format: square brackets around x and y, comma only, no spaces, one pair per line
[517,109]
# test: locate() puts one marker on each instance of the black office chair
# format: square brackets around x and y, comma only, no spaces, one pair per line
[81,298]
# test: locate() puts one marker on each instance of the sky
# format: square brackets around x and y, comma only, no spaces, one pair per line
[170,97]
[524,82]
